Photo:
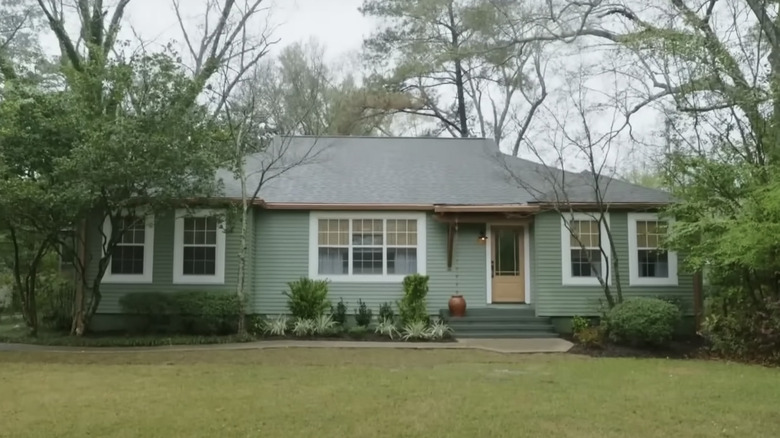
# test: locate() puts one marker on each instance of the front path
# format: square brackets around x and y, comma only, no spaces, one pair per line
[543,345]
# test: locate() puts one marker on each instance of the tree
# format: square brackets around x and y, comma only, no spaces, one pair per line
[434,49]
[578,166]
[301,94]
[258,156]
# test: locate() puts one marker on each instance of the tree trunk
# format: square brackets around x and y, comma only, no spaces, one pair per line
[242,259]
[459,82]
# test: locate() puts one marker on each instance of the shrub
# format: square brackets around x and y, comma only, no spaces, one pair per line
[304,327]
[415,330]
[386,327]
[642,321]
[412,306]
[386,312]
[363,314]
[438,330]
[579,324]
[340,312]
[590,337]
[324,325]
[276,326]
[749,331]
[307,298]
[186,312]
[55,302]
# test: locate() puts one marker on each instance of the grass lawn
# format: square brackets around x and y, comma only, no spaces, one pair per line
[388,393]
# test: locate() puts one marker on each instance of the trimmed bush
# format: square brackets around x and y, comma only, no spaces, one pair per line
[363,314]
[642,321]
[413,308]
[386,312]
[186,312]
[340,312]
[307,298]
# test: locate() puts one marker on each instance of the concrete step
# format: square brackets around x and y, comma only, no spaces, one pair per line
[495,311]
[503,334]
[505,327]
[498,319]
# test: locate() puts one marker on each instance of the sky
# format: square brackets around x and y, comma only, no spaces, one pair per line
[337,24]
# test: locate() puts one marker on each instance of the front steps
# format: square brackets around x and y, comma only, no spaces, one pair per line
[500,322]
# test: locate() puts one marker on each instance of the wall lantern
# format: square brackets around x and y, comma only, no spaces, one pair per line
[482,237]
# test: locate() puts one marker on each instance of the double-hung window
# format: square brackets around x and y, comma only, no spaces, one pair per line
[131,257]
[366,247]
[199,248]
[649,263]
[584,245]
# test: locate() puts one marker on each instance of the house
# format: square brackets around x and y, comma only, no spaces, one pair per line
[365,212]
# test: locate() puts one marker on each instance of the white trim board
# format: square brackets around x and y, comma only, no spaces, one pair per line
[633,255]
[566,276]
[422,245]
[178,248]
[148,269]
[526,263]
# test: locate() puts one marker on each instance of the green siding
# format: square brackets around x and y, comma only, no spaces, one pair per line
[282,255]
[163,265]
[551,298]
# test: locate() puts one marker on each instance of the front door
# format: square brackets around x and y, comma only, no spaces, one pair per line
[507,265]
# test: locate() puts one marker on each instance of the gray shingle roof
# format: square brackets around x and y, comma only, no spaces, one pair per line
[388,170]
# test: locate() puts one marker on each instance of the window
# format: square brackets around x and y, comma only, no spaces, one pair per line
[649,264]
[199,248]
[131,258]
[582,240]
[366,247]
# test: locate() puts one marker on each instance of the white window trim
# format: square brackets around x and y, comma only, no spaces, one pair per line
[314,218]
[178,249]
[148,274]
[633,255]
[566,276]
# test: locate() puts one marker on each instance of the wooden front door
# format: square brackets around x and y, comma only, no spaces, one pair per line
[507,265]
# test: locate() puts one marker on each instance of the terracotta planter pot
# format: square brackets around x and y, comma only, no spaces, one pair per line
[457,306]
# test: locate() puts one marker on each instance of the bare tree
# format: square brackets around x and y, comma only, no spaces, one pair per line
[261,153]
[579,163]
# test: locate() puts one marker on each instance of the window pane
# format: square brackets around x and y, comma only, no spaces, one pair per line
[402,261]
[653,263]
[507,253]
[199,260]
[367,261]
[333,231]
[367,232]
[127,260]
[585,263]
[587,231]
[334,261]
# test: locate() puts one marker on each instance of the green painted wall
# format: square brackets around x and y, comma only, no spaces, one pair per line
[163,265]
[281,253]
[551,298]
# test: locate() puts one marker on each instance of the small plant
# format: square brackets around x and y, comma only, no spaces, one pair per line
[386,312]
[276,326]
[386,327]
[363,314]
[413,306]
[307,298]
[304,327]
[642,321]
[340,312]
[415,330]
[324,325]
[579,324]
[590,337]
[438,330]
[358,332]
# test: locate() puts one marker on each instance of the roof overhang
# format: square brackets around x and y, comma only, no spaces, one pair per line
[361,207]
[487,208]
[606,205]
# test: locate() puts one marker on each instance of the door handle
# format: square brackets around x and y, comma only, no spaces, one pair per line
[492,268]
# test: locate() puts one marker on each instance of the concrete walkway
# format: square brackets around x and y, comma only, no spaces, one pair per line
[507,346]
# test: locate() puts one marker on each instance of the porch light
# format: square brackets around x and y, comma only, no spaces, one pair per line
[482,237]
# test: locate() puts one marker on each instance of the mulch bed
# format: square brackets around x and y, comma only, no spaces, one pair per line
[692,348]
[368,337]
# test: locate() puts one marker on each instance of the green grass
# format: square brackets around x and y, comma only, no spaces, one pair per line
[389,393]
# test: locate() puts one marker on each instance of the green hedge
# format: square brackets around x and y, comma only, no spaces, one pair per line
[186,312]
